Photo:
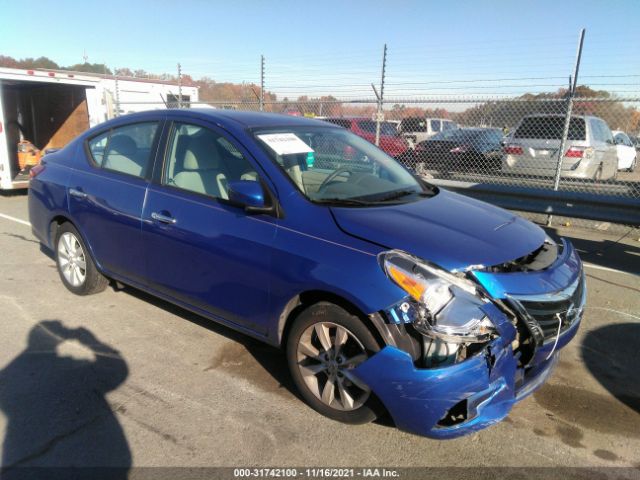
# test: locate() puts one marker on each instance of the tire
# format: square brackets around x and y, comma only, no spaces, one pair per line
[306,354]
[75,266]
[633,165]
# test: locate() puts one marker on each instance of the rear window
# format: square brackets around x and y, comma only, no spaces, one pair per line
[458,135]
[413,125]
[550,128]
[386,128]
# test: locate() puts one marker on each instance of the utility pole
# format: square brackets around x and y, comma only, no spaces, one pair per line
[381,95]
[261,83]
[179,86]
[117,87]
[573,83]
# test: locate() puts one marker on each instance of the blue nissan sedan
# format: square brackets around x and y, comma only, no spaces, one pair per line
[388,294]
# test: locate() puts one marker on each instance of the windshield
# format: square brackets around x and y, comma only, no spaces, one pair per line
[333,165]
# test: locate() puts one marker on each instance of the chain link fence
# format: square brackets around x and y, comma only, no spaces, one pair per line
[517,142]
[534,133]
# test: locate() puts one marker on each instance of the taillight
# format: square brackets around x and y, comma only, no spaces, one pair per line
[575,152]
[513,150]
[36,170]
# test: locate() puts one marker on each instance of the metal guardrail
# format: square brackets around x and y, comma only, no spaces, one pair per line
[541,200]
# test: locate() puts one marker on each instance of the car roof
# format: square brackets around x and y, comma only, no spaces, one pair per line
[562,115]
[240,118]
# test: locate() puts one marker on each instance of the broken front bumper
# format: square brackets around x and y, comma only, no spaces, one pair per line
[485,387]
[454,400]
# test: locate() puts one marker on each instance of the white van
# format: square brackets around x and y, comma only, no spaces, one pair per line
[418,129]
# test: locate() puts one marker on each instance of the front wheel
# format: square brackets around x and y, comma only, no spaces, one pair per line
[76,268]
[324,345]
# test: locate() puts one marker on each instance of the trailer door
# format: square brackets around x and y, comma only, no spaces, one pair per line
[5,166]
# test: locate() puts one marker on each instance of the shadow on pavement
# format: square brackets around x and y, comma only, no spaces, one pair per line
[604,252]
[233,356]
[53,397]
[236,358]
[611,355]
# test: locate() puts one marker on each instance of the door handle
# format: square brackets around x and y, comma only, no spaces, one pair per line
[163,218]
[74,192]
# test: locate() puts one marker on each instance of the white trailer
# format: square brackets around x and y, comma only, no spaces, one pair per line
[50,107]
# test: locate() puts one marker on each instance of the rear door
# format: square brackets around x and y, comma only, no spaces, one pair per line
[5,163]
[199,249]
[606,153]
[106,198]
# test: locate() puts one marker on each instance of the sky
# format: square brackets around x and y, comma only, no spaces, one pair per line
[435,48]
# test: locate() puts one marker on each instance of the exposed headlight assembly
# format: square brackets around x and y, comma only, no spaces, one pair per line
[448,307]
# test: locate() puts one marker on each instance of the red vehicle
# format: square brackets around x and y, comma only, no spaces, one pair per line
[390,140]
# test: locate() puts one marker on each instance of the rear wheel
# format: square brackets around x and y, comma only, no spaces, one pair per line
[76,268]
[324,346]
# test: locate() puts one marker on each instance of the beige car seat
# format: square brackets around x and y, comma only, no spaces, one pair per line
[203,169]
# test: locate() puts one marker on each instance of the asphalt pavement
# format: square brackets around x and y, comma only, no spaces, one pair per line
[123,379]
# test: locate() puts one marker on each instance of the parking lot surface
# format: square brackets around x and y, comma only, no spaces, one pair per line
[121,378]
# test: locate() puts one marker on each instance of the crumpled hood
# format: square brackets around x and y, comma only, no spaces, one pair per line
[450,230]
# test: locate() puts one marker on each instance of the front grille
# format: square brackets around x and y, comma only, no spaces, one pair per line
[550,310]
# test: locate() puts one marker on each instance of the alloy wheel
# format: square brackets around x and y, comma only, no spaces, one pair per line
[327,353]
[71,259]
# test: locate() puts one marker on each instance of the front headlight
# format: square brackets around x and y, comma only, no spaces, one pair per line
[448,307]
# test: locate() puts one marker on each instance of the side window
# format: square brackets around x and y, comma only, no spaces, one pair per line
[97,146]
[125,149]
[597,131]
[202,161]
[607,136]
[435,125]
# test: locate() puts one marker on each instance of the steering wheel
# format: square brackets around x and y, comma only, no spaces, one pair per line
[333,175]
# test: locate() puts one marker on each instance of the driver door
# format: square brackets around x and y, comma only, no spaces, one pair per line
[201,250]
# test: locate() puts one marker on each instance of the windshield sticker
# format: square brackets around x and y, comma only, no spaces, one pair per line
[285,143]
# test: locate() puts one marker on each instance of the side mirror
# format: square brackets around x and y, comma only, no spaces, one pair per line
[249,194]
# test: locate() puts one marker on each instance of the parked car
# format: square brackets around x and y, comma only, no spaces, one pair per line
[390,140]
[589,152]
[464,149]
[419,129]
[386,293]
[626,151]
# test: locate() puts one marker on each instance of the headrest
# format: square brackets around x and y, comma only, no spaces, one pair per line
[202,153]
[122,145]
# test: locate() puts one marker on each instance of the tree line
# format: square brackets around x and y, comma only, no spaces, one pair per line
[497,113]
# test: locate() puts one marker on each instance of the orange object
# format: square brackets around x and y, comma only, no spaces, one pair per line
[28,154]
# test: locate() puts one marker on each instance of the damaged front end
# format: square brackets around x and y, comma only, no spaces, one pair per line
[463,347]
